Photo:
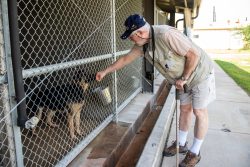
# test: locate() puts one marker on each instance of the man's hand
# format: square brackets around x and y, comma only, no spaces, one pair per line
[179,84]
[100,75]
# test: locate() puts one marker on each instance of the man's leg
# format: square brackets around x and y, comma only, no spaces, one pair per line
[202,95]
[185,122]
[201,123]
[200,129]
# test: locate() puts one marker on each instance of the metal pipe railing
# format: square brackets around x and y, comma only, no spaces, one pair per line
[55,67]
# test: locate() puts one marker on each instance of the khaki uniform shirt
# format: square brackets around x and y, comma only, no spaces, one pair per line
[171,47]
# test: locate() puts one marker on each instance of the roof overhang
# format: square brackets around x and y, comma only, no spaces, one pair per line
[177,6]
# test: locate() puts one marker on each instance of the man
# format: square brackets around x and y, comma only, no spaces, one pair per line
[181,62]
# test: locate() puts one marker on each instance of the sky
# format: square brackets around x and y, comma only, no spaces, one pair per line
[225,10]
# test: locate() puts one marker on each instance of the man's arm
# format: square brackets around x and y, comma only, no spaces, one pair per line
[120,63]
[125,60]
[190,64]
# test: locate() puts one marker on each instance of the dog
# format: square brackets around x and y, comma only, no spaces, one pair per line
[67,98]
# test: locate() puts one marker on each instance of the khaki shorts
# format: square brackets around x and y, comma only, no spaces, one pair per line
[200,95]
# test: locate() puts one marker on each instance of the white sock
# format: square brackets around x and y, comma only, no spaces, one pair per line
[182,137]
[196,146]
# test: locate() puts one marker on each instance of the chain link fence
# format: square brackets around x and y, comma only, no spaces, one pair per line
[63,44]
[128,78]
[7,150]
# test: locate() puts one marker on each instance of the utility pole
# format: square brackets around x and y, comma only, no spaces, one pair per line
[214,14]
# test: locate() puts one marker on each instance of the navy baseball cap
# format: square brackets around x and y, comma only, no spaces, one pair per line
[132,23]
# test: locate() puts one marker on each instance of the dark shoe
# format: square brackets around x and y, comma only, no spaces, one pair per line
[190,160]
[171,151]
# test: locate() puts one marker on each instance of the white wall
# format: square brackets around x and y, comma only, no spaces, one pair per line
[217,39]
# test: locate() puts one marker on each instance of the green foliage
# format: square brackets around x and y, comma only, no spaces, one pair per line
[246,33]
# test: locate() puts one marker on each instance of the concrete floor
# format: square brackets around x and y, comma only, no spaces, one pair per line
[228,139]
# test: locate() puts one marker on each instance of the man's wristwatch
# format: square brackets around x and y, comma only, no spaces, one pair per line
[184,78]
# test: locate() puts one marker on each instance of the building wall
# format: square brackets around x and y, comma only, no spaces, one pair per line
[218,39]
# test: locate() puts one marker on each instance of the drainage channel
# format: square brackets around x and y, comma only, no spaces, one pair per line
[131,146]
[125,142]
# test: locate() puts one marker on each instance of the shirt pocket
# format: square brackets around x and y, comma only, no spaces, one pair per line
[168,61]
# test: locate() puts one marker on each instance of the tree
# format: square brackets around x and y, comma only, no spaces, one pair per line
[246,33]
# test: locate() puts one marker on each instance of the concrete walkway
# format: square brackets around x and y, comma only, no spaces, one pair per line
[227,143]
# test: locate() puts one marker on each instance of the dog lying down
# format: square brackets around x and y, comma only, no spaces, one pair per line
[67,98]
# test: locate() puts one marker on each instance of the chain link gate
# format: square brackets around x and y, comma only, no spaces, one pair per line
[63,43]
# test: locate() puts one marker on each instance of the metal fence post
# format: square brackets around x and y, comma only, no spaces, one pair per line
[16,129]
[113,31]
